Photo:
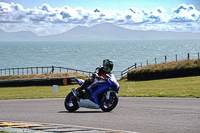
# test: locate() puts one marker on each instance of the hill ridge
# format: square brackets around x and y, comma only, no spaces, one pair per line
[105,31]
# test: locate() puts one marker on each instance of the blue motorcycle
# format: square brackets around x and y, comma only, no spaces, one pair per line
[100,94]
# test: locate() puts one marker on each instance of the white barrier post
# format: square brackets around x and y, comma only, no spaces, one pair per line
[55,88]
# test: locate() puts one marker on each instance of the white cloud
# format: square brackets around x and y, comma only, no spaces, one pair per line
[48,20]
[185,13]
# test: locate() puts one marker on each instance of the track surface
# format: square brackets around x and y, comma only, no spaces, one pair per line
[145,115]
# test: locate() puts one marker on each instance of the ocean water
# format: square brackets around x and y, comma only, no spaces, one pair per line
[87,55]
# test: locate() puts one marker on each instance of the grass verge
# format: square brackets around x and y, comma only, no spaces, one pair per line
[33,92]
[174,87]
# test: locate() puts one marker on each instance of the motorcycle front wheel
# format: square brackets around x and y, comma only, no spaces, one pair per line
[107,105]
[71,103]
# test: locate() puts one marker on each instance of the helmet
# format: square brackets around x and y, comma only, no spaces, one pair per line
[108,65]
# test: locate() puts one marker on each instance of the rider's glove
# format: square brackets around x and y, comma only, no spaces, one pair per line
[106,79]
[99,78]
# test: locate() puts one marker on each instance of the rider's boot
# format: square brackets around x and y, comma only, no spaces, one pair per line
[78,92]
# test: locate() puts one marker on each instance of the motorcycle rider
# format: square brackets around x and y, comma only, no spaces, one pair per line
[100,74]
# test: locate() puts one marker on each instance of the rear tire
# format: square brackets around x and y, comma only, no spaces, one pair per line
[70,103]
[107,105]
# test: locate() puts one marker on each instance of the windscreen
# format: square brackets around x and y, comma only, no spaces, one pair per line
[113,79]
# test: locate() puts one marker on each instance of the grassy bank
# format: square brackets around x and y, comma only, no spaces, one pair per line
[170,66]
[174,87]
[43,75]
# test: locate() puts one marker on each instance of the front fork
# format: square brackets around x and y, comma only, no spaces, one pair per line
[108,94]
[74,93]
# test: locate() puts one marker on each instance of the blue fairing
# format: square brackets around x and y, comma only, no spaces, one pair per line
[99,90]
[99,87]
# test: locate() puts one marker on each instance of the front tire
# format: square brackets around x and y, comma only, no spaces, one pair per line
[107,105]
[70,103]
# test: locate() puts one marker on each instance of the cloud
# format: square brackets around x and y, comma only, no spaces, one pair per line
[42,19]
[185,13]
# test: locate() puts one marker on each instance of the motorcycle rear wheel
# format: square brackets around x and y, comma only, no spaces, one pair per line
[107,105]
[70,103]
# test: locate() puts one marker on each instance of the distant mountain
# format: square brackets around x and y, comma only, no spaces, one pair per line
[111,32]
[17,36]
[99,32]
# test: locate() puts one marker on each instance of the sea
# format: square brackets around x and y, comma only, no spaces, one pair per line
[87,55]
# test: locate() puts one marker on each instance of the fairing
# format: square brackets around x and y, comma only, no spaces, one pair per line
[99,87]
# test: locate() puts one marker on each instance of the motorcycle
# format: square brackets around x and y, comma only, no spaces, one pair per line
[100,94]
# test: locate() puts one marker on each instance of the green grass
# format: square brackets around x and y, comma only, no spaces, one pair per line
[175,87]
[33,92]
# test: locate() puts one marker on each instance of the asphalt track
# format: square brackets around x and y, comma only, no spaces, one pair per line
[144,115]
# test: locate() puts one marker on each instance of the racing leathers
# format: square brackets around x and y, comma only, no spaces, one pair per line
[100,74]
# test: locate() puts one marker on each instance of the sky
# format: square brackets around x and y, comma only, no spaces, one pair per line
[47,17]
